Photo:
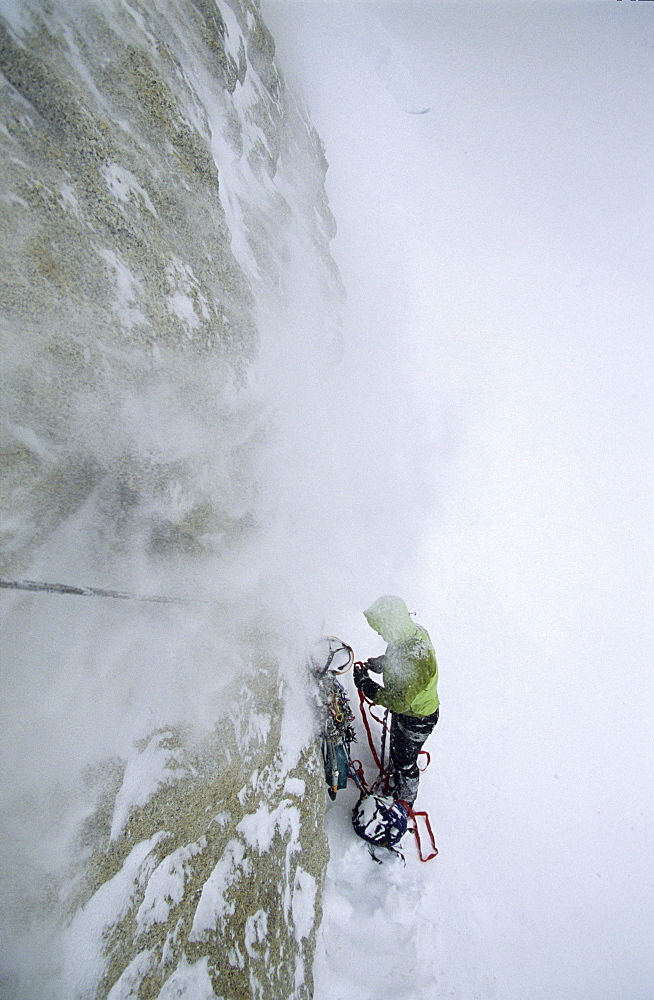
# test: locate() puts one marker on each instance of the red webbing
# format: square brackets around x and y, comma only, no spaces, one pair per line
[416,830]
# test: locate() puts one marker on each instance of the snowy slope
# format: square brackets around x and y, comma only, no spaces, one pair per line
[494,251]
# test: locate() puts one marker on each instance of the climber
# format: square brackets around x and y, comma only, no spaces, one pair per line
[410,675]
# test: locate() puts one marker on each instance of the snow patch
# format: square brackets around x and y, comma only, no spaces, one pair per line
[69,200]
[123,185]
[165,887]
[186,300]
[233,41]
[303,904]
[128,288]
[258,728]
[295,786]
[259,828]
[128,984]
[213,906]
[256,931]
[189,982]
[146,771]
[84,944]
[249,726]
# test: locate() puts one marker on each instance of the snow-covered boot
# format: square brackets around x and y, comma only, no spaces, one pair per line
[406,788]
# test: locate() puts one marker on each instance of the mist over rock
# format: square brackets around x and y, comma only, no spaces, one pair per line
[165,231]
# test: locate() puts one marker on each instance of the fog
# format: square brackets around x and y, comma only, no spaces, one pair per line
[497,380]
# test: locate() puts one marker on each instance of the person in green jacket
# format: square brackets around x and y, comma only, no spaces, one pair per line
[410,673]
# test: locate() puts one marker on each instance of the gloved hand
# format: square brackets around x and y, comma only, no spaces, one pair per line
[369,688]
[364,683]
[375,663]
[360,674]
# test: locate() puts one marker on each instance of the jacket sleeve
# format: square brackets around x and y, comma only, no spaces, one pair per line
[399,699]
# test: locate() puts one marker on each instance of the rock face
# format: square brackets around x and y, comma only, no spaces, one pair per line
[163,796]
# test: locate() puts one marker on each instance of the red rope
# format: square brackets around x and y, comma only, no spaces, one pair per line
[381,721]
[371,742]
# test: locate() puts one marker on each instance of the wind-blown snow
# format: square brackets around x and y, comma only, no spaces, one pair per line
[149,320]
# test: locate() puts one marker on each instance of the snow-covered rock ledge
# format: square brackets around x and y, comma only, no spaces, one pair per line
[162,204]
[209,882]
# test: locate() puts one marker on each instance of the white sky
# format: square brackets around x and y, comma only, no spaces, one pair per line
[497,255]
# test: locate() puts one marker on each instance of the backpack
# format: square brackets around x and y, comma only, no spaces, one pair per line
[380,820]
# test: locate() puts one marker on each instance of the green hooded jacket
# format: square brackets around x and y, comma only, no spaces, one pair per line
[409,664]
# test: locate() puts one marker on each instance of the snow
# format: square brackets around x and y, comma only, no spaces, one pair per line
[294,786]
[83,944]
[373,935]
[147,770]
[212,906]
[483,448]
[256,931]
[182,306]
[234,40]
[259,828]
[298,721]
[190,981]
[69,199]
[186,301]
[128,288]
[123,185]
[165,886]
[126,986]
[303,903]
[500,306]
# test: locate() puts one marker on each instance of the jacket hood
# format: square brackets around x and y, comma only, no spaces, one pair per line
[390,617]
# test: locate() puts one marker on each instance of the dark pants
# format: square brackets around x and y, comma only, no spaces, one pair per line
[408,734]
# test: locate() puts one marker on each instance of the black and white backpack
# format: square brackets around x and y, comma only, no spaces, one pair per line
[381,821]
